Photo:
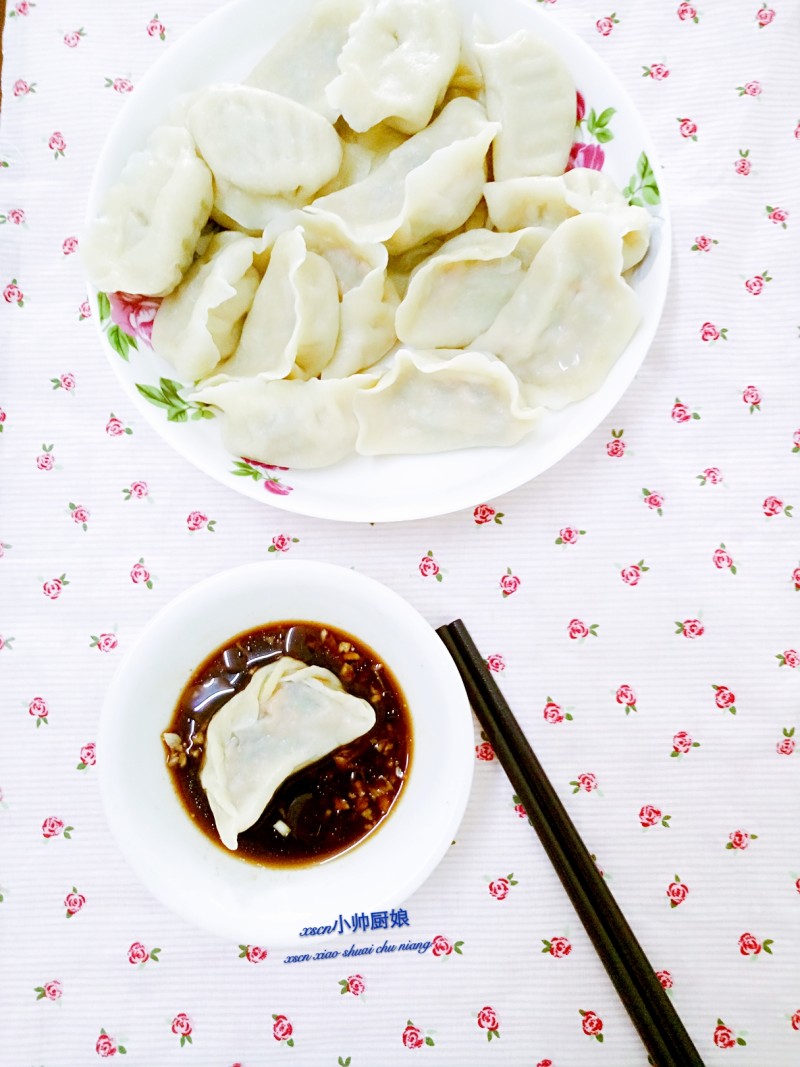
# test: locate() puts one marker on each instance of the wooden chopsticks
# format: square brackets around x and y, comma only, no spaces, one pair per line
[634,978]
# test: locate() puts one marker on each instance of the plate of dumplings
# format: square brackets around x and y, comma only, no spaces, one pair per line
[376,260]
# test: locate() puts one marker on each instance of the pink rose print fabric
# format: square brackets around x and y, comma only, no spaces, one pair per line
[677,892]
[558,947]
[487,1020]
[501,887]
[106,1046]
[138,955]
[282,1029]
[636,602]
[182,1028]
[592,1025]
[49,991]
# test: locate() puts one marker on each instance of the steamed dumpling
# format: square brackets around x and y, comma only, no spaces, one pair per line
[429,185]
[263,143]
[287,422]
[549,201]
[199,323]
[238,209]
[367,300]
[530,92]
[303,62]
[570,317]
[396,64]
[288,716]
[467,78]
[457,292]
[405,263]
[361,154]
[440,401]
[293,324]
[152,218]
[357,162]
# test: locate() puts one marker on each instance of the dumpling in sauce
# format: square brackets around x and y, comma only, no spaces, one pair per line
[289,716]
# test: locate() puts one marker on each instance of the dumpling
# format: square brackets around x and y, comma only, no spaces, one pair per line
[368,300]
[357,162]
[361,154]
[429,185]
[238,209]
[199,323]
[548,201]
[303,61]
[152,218]
[570,317]
[403,265]
[530,92]
[288,716]
[396,64]
[263,143]
[440,401]
[293,323]
[457,292]
[467,79]
[288,422]
[379,141]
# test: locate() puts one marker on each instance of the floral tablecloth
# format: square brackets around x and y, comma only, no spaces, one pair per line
[639,603]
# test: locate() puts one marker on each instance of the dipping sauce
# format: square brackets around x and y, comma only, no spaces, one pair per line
[331,805]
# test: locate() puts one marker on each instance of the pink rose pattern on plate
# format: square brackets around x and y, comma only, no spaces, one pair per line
[725,486]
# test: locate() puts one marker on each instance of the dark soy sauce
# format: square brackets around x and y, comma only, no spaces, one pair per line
[334,803]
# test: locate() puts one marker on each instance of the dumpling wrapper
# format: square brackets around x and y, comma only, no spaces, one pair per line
[145,237]
[287,422]
[200,322]
[456,293]
[549,201]
[530,92]
[303,62]
[293,323]
[263,143]
[429,185]
[570,317]
[441,401]
[396,64]
[368,301]
[288,716]
[402,266]
[238,209]
[467,78]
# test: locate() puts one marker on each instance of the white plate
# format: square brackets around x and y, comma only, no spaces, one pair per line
[225,47]
[216,890]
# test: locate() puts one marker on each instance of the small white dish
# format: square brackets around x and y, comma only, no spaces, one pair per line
[612,136]
[174,859]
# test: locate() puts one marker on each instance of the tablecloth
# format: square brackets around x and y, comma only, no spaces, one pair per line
[638,602]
